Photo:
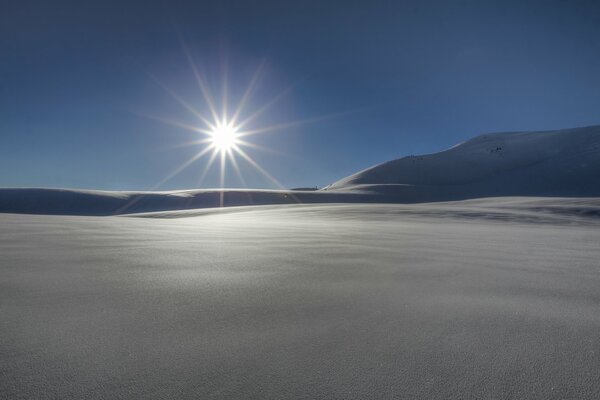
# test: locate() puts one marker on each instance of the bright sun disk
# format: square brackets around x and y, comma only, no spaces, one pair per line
[224,137]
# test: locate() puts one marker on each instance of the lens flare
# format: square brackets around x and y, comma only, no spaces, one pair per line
[221,134]
[220,131]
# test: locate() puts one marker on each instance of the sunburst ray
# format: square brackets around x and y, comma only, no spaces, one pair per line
[222,133]
[200,81]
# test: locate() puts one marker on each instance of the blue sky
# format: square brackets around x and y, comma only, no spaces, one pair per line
[78,82]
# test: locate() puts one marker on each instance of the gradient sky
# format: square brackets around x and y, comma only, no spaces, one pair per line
[78,81]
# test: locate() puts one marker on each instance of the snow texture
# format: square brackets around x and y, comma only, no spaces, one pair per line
[481,299]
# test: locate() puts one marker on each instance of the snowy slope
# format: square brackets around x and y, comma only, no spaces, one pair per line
[551,163]
[482,299]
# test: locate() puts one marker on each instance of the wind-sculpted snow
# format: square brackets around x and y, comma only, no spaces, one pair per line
[481,299]
[581,211]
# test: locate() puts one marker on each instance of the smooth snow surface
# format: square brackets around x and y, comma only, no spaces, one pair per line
[482,299]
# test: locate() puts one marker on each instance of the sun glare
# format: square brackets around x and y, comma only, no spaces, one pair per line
[224,137]
[223,133]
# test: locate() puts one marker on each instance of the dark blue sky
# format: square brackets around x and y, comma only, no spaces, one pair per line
[76,79]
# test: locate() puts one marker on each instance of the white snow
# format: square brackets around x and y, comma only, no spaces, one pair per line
[554,163]
[489,298]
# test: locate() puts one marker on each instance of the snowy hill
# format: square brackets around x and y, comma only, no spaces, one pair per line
[551,163]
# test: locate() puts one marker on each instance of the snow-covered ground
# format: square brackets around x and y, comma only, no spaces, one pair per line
[487,299]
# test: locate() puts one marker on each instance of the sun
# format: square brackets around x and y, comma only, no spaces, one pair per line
[224,137]
[224,130]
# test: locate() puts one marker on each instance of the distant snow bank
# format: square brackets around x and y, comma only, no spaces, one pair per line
[95,203]
[562,163]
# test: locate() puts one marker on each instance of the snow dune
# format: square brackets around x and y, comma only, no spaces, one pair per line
[488,298]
